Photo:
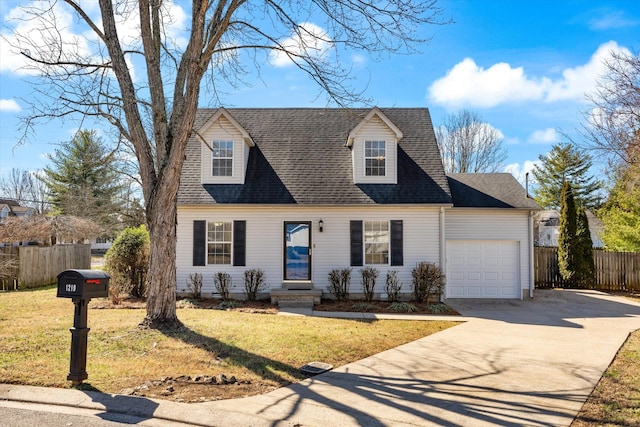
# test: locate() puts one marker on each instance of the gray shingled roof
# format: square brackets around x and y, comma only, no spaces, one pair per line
[488,190]
[300,157]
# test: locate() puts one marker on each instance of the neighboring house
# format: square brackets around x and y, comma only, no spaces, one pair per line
[101,244]
[547,228]
[9,207]
[299,192]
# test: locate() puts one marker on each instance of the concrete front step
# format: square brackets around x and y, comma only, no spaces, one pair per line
[295,304]
[293,285]
[298,298]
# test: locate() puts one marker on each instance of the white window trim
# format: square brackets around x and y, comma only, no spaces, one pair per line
[364,242]
[213,158]
[230,242]
[365,158]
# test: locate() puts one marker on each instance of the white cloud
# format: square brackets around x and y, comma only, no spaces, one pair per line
[41,36]
[313,41]
[520,171]
[544,136]
[468,84]
[9,106]
[577,81]
[35,20]
[607,20]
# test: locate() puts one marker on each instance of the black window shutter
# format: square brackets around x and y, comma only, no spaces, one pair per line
[397,257]
[199,242]
[356,243]
[239,243]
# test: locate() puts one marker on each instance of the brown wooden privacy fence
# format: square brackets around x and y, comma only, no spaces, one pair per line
[615,271]
[27,267]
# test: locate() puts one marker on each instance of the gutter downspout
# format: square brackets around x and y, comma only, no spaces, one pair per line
[443,254]
[532,277]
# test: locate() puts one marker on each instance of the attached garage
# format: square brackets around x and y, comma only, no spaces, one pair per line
[488,250]
[483,269]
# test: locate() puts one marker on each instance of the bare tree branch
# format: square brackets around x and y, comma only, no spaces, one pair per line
[469,145]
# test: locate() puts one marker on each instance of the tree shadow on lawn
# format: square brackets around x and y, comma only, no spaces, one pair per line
[264,367]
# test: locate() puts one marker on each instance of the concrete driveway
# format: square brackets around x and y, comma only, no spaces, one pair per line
[511,363]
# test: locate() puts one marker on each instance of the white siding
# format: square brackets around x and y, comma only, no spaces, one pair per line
[492,226]
[375,130]
[224,130]
[330,249]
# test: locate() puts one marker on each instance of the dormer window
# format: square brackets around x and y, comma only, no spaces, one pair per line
[222,158]
[374,149]
[375,158]
[225,149]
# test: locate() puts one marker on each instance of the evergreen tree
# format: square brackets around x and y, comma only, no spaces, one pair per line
[585,267]
[621,213]
[83,181]
[567,237]
[565,163]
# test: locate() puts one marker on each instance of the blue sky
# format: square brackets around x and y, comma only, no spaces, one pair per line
[523,66]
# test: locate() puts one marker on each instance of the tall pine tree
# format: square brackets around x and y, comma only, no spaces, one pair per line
[567,237]
[83,181]
[565,163]
[585,267]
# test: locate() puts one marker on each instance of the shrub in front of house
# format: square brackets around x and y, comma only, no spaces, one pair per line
[428,280]
[339,283]
[369,276]
[222,282]
[194,285]
[127,262]
[392,287]
[253,283]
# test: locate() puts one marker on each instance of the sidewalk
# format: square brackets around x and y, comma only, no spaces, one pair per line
[531,362]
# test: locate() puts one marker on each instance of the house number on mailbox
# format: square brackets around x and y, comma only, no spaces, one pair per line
[69,287]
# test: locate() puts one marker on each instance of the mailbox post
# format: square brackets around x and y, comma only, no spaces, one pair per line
[81,286]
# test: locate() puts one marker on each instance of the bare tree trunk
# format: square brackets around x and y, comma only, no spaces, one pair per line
[161,279]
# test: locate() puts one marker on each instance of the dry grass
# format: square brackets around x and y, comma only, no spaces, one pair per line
[616,399]
[262,351]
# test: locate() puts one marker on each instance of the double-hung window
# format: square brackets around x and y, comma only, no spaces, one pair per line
[222,158]
[219,238]
[219,242]
[376,242]
[375,158]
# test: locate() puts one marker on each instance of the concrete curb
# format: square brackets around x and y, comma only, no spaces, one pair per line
[140,407]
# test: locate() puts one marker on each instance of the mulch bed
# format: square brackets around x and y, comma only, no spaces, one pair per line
[265,306]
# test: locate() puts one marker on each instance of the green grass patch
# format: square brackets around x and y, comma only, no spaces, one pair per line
[263,350]
[616,399]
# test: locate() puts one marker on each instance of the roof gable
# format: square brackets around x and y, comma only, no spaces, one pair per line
[222,112]
[375,112]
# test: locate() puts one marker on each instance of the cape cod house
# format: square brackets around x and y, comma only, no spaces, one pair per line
[299,192]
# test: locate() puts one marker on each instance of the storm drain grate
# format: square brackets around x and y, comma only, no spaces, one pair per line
[315,368]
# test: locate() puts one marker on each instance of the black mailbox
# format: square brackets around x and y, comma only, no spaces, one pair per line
[83,284]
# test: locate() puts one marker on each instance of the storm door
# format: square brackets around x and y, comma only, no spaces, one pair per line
[297,250]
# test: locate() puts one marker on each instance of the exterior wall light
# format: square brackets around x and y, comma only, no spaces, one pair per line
[320,225]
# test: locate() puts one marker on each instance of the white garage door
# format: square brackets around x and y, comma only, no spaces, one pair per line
[483,269]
